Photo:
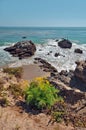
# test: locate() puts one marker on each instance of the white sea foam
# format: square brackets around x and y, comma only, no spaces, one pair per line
[5,57]
[66,60]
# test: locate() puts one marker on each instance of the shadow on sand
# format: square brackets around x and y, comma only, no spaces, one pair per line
[27,108]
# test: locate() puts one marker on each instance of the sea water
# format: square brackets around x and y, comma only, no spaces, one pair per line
[44,38]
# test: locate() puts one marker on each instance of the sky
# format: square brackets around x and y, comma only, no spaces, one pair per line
[46,13]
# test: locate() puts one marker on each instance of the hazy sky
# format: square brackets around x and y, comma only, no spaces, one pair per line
[43,13]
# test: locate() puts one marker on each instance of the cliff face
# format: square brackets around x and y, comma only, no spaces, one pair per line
[80,71]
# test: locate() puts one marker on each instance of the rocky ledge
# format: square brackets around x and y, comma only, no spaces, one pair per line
[80,71]
[65,44]
[74,79]
[43,64]
[22,49]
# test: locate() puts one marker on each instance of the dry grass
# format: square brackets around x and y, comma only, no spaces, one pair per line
[17,72]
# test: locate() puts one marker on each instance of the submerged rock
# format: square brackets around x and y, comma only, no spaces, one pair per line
[78,51]
[57,54]
[65,43]
[56,40]
[22,49]
[24,37]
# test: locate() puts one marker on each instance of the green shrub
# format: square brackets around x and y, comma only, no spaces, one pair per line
[58,111]
[58,116]
[17,72]
[41,94]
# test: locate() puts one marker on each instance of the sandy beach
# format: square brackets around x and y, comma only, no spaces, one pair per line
[32,71]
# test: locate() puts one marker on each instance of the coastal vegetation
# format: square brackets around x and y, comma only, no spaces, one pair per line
[41,94]
[15,90]
[17,71]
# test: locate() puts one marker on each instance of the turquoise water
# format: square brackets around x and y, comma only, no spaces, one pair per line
[41,34]
[47,35]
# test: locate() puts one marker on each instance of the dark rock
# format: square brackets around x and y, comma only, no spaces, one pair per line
[65,43]
[52,74]
[57,54]
[64,72]
[37,58]
[22,49]
[46,66]
[40,49]
[56,40]
[10,49]
[50,51]
[78,51]
[24,37]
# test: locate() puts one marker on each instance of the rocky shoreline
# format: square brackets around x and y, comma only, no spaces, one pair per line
[58,56]
[72,85]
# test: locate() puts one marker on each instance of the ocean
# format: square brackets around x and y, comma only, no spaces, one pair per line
[44,38]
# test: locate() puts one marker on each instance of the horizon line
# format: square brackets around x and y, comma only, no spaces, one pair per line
[46,26]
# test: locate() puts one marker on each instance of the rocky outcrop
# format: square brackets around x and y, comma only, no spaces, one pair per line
[69,79]
[80,71]
[78,51]
[47,67]
[72,97]
[22,49]
[65,43]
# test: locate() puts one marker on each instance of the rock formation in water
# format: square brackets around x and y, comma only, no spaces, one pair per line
[78,51]
[65,43]
[22,49]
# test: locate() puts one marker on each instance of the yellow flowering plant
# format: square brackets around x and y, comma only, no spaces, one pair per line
[41,94]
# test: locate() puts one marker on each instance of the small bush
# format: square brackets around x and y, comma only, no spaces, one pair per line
[41,94]
[17,72]
[16,90]
[58,111]
[58,116]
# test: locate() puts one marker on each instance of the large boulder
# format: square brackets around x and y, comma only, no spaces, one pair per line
[65,43]
[22,49]
[80,71]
